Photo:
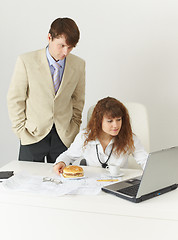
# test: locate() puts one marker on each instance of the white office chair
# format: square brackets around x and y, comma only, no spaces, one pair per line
[140,126]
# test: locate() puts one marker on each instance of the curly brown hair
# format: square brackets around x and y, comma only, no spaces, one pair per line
[111,107]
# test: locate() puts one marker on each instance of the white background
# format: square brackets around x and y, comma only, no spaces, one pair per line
[130,48]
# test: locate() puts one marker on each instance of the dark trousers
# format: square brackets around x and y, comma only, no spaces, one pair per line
[50,147]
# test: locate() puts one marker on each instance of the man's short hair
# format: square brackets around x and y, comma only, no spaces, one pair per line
[66,27]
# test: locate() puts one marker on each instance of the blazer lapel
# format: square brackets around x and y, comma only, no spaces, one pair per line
[45,71]
[67,75]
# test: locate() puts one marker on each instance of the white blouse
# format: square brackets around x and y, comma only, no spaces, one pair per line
[77,152]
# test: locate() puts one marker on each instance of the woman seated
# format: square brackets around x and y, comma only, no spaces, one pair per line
[108,139]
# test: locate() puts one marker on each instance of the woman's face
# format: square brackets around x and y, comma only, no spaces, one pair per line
[111,126]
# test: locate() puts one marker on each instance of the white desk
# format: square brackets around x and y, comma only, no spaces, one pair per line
[28,216]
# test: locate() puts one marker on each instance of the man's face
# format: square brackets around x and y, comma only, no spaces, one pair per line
[58,47]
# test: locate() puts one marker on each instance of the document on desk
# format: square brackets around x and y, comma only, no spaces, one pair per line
[35,184]
[57,186]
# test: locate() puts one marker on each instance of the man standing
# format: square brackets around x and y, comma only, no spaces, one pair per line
[46,95]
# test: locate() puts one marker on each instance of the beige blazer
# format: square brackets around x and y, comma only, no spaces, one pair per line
[32,104]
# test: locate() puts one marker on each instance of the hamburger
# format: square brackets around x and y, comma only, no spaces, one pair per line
[72,171]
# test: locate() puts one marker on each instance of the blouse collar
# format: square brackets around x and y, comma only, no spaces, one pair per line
[97,142]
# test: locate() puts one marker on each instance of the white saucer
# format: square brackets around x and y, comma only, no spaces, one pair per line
[119,175]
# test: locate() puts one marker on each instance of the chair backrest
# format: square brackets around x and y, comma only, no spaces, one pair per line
[140,126]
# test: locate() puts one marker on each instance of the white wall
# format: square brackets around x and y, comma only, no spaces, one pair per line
[130,47]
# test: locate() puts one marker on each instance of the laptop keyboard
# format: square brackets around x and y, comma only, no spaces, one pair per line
[131,191]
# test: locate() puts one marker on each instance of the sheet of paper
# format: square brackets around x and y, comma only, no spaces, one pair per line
[35,184]
[57,186]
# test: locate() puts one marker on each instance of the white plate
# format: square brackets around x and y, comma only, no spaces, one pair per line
[119,175]
[74,178]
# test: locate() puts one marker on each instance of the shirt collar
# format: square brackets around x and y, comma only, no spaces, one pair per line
[52,61]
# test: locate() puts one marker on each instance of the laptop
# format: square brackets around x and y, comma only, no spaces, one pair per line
[159,176]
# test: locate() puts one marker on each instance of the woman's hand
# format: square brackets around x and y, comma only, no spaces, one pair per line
[58,168]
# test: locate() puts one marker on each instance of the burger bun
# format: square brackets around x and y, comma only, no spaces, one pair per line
[73,171]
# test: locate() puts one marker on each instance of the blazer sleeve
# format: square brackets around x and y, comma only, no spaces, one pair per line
[16,97]
[78,97]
